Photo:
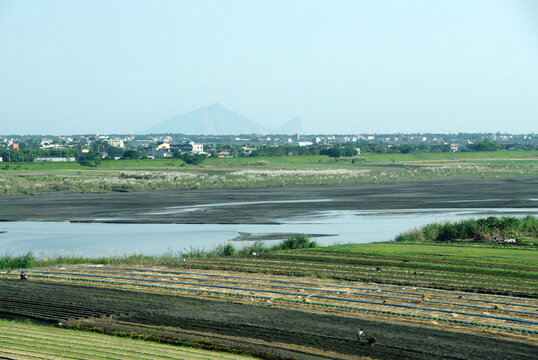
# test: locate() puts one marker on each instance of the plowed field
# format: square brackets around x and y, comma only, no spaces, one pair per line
[279,316]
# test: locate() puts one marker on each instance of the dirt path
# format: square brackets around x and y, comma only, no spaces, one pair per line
[262,323]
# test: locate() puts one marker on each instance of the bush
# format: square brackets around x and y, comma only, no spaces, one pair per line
[296,242]
[190,158]
[9,262]
[476,230]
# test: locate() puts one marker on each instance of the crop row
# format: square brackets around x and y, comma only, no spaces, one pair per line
[143,348]
[463,281]
[398,263]
[362,269]
[11,343]
[252,290]
[171,273]
[414,259]
[344,307]
[318,288]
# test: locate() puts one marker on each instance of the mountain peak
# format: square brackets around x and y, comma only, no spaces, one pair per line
[215,119]
[212,119]
[294,126]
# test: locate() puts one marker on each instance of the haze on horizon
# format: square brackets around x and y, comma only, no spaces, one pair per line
[72,67]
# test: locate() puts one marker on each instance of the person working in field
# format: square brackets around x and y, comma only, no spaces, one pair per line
[360,334]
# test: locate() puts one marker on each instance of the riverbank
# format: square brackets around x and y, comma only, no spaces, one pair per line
[265,205]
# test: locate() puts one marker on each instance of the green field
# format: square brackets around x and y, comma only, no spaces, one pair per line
[454,253]
[29,341]
[137,175]
[508,271]
[489,156]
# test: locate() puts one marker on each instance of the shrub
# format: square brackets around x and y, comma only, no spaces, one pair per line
[296,242]
[477,230]
[17,262]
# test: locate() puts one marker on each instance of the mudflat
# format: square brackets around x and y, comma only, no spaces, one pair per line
[258,205]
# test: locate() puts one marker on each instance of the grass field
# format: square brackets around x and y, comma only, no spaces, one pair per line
[20,340]
[136,175]
[489,156]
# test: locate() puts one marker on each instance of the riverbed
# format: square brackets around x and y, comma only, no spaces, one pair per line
[102,238]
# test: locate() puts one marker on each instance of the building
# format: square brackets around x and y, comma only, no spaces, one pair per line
[188,147]
[54,159]
[118,143]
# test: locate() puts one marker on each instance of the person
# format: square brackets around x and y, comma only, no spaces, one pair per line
[360,334]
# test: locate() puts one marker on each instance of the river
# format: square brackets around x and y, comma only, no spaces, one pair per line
[337,227]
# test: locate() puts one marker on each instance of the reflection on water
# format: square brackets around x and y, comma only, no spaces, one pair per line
[101,239]
[182,209]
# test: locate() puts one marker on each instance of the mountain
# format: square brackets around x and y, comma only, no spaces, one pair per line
[294,126]
[209,120]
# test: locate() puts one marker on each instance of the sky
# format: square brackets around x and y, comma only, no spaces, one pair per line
[358,66]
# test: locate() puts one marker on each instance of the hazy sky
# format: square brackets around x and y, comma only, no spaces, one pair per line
[342,66]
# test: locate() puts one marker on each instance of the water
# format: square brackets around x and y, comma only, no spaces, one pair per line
[103,239]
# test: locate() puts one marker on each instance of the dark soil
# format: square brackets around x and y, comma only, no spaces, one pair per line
[126,310]
[134,206]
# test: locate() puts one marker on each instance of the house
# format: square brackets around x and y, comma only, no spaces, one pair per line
[162,152]
[225,154]
[163,146]
[247,150]
[188,147]
[118,143]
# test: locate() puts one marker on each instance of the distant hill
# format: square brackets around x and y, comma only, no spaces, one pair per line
[217,120]
[294,126]
[209,120]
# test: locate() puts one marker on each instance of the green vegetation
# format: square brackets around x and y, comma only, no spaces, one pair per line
[478,268]
[295,242]
[492,229]
[29,260]
[26,340]
[508,271]
[490,156]
[147,174]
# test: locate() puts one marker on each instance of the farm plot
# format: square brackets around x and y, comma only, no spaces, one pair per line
[447,308]
[30,341]
[44,311]
[443,276]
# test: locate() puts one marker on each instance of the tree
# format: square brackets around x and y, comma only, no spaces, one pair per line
[131,155]
[190,158]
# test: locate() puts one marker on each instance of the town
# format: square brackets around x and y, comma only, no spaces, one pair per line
[93,147]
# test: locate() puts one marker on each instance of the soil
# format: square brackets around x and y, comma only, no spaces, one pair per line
[135,206]
[273,331]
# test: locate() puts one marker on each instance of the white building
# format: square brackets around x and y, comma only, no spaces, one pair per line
[54,159]
[118,143]
[190,147]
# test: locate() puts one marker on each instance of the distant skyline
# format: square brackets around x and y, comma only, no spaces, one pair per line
[379,66]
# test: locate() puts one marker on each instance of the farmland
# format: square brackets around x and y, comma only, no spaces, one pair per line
[277,305]
[22,340]
[303,303]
